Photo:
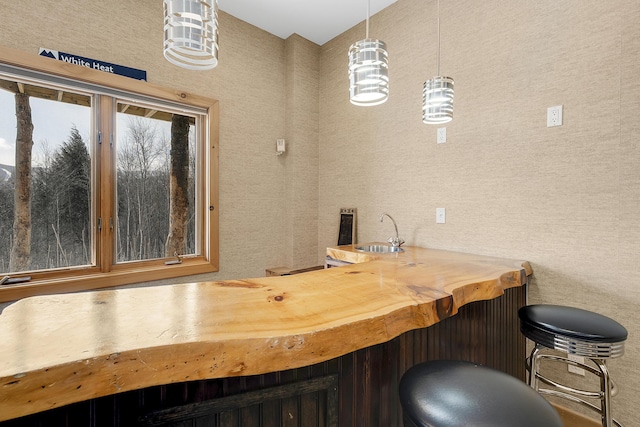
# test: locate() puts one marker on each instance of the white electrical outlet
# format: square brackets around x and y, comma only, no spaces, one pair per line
[554,116]
[440,216]
[574,369]
[442,135]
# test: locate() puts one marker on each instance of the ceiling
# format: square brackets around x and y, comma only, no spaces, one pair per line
[316,20]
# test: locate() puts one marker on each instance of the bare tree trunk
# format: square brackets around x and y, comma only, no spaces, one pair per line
[126,245]
[21,250]
[140,221]
[63,255]
[178,186]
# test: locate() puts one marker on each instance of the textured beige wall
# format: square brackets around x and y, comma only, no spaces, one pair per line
[566,198]
[249,83]
[301,160]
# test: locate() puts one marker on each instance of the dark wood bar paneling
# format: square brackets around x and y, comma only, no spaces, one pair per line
[365,394]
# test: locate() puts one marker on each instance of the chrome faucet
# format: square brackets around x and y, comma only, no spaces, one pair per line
[395,241]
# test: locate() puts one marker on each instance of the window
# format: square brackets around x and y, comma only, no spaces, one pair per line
[104,180]
[150,142]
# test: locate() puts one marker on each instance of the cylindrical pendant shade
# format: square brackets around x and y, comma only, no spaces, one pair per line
[368,72]
[437,100]
[191,33]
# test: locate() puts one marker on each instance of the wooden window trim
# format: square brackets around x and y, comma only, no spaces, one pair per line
[107,274]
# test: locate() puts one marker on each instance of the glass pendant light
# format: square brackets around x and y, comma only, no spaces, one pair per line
[368,70]
[437,94]
[191,33]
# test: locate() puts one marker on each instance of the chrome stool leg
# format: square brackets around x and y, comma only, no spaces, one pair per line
[534,366]
[607,386]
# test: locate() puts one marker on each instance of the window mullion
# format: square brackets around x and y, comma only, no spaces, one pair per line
[106,171]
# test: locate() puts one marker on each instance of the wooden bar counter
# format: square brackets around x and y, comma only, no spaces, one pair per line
[60,349]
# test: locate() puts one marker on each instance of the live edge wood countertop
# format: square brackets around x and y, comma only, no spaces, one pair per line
[60,349]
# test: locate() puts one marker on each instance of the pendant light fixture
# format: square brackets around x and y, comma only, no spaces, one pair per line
[368,70]
[437,94]
[191,33]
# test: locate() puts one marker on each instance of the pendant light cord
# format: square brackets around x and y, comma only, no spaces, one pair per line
[438,58]
[367,26]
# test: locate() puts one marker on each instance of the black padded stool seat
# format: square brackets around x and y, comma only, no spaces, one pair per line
[573,330]
[454,393]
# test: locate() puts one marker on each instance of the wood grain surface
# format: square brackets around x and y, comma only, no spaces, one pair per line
[61,349]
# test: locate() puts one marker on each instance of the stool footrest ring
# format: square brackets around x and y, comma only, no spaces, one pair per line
[599,369]
[561,359]
[567,390]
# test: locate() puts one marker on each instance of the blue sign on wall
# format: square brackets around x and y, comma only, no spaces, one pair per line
[107,67]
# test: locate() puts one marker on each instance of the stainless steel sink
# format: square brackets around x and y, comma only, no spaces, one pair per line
[379,249]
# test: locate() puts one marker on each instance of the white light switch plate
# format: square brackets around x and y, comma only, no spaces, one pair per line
[442,135]
[440,216]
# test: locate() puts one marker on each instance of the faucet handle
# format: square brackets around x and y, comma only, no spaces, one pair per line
[395,241]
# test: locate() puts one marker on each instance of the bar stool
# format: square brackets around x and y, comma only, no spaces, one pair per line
[575,332]
[454,393]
